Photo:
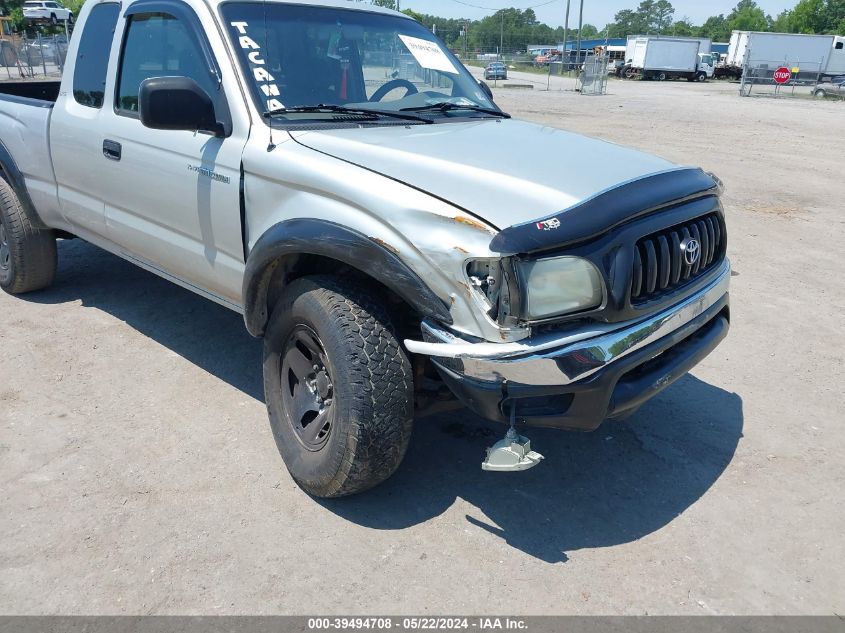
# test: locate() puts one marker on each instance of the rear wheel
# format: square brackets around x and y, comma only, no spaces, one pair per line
[661,76]
[27,254]
[338,386]
[820,94]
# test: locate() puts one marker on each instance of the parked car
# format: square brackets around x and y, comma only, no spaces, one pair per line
[496,70]
[387,239]
[46,11]
[545,60]
[835,88]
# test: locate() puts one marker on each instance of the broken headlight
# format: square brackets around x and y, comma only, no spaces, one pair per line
[559,286]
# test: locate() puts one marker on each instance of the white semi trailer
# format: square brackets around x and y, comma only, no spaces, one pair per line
[822,55]
[662,58]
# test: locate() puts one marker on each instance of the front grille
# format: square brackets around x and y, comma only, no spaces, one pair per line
[660,264]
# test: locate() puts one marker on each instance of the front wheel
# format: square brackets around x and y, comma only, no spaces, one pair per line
[339,388]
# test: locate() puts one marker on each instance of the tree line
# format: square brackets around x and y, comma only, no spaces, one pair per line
[516,29]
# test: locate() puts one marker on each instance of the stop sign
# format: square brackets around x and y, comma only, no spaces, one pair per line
[782,75]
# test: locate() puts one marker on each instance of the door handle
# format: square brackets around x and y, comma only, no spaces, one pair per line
[111,150]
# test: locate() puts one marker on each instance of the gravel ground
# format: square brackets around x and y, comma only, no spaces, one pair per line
[139,474]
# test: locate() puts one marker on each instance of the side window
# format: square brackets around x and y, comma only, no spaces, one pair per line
[159,45]
[92,60]
[840,45]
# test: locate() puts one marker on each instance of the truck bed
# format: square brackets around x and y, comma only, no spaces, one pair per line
[30,90]
[25,110]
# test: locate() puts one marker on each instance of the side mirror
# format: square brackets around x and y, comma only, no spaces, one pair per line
[176,103]
[486,89]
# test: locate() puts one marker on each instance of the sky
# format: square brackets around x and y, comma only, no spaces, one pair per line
[596,12]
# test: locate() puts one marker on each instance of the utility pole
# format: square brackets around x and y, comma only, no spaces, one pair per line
[502,36]
[564,54]
[580,25]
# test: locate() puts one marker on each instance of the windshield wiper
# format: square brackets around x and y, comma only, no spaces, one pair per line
[447,106]
[328,108]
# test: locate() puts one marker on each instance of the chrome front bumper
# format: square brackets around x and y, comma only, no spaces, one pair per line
[565,358]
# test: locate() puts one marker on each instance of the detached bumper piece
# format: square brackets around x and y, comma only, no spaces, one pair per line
[579,381]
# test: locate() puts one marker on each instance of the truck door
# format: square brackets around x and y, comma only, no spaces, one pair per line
[76,144]
[172,198]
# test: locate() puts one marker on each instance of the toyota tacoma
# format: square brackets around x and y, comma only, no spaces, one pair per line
[331,171]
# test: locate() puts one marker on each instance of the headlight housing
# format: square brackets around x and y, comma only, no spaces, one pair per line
[559,286]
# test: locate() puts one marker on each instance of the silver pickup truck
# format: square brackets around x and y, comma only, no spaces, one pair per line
[331,171]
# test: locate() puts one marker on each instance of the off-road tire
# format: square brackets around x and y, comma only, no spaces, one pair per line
[32,256]
[372,404]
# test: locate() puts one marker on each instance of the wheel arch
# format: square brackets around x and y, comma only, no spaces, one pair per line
[298,247]
[11,174]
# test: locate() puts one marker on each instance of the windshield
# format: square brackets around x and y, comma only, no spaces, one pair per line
[308,56]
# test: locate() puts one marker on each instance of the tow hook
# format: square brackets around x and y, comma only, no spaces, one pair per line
[512,453]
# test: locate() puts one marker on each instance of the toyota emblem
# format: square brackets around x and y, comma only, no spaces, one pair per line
[692,251]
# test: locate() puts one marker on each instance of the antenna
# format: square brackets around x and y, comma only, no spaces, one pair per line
[272,145]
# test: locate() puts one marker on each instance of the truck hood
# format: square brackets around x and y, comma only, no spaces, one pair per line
[504,171]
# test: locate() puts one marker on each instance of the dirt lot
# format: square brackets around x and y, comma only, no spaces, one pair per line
[139,474]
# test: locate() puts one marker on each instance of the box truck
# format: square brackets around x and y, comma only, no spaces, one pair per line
[822,55]
[661,58]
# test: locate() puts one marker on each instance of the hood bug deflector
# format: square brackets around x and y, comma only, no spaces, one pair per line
[606,210]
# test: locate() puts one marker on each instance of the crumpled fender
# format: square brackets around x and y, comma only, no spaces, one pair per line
[327,239]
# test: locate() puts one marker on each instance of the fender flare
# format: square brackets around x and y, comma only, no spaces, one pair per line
[10,172]
[331,240]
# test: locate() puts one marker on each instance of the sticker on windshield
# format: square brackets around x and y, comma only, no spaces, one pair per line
[264,80]
[429,54]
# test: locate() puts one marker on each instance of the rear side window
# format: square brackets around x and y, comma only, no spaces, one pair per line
[92,60]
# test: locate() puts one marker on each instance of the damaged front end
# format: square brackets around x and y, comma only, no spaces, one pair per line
[620,299]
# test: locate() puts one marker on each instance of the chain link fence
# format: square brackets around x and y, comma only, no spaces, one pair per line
[23,57]
[795,78]
[592,80]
